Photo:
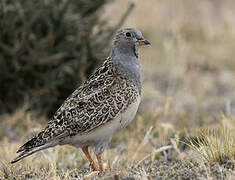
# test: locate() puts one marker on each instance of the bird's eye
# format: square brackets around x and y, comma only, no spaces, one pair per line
[128,34]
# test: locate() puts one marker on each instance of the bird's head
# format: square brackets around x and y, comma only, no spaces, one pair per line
[128,41]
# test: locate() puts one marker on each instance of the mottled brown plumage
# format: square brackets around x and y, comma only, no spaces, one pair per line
[100,99]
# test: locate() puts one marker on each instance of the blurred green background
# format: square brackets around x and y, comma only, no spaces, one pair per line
[47,49]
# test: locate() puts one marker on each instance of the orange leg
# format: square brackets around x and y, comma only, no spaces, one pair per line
[99,158]
[86,152]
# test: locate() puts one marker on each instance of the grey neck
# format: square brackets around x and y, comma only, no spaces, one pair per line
[128,64]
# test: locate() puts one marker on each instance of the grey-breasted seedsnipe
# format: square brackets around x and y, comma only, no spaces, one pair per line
[106,102]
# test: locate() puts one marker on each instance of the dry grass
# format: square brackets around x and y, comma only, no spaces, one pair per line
[188,80]
[216,144]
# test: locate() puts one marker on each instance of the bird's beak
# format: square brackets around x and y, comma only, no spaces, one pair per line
[144,42]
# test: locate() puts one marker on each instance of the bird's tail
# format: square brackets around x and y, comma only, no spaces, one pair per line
[27,153]
[31,147]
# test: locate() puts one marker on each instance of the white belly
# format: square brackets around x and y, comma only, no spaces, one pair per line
[129,114]
[105,132]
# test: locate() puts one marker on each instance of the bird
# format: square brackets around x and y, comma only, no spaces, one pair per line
[105,103]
